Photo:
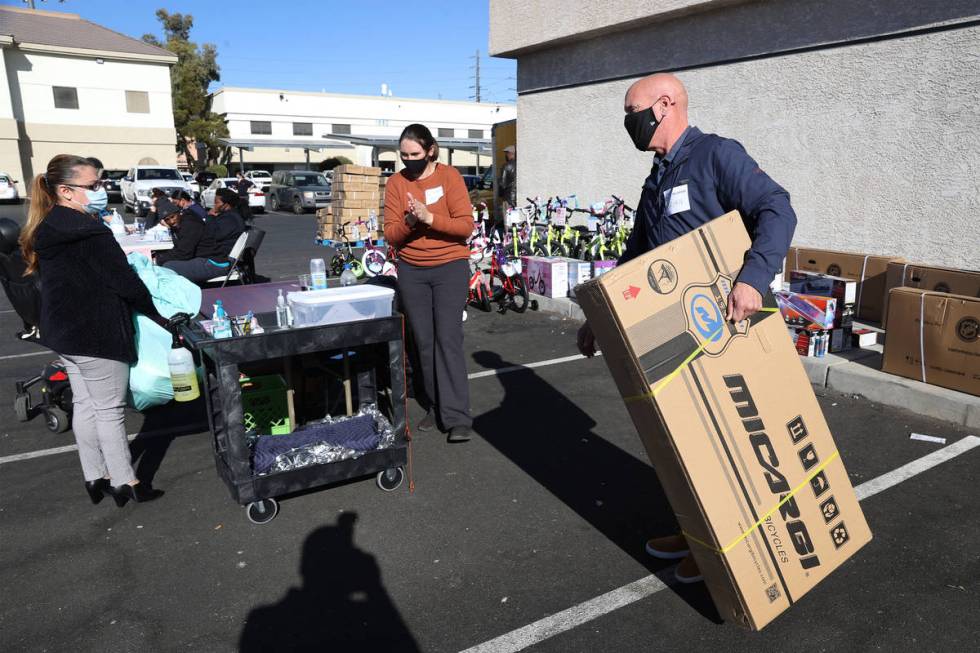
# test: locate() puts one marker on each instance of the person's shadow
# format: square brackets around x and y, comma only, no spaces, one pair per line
[551,439]
[161,426]
[341,605]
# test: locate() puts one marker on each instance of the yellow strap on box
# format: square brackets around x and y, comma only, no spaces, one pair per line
[735,542]
[687,361]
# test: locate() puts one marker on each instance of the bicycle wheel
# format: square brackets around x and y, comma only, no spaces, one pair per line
[519,300]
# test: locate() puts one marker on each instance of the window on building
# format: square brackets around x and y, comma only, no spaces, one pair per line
[302,129]
[474,133]
[65,97]
[337,128]
[446,132]
[261,127]
[137,102]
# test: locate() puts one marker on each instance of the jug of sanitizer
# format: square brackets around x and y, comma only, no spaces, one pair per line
[183,376]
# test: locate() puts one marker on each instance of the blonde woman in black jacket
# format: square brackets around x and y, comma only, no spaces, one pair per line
[88,295]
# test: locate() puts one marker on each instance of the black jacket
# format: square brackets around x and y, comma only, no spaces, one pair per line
[88,290]
[220,233]
[186,237]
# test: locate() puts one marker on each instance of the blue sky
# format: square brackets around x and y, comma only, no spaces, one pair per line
[421,49]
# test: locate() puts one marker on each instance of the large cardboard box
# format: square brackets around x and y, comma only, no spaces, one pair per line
[931,277]
[729,421]
[869,271]
[934,337]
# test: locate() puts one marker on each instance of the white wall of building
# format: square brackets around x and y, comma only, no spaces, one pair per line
[875,137]
[101,126]
[366,116]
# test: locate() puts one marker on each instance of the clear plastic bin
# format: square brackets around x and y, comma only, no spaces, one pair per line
[336,305]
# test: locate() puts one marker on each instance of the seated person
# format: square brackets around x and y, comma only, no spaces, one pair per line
[221,230]
[186,229]
[152,217]
[186,203]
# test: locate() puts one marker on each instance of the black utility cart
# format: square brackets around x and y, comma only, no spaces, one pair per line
[329,370]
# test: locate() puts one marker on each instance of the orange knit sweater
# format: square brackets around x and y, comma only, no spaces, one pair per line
[445,195]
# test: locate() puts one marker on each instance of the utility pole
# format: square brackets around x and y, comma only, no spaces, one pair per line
[476,86]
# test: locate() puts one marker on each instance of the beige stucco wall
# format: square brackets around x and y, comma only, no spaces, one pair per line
[878,143]
[116,147]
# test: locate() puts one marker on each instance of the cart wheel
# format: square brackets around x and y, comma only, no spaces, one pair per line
[56,419]
[22,407]
[262,512]
[391,479]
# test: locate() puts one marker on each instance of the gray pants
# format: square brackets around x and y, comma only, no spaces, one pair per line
[434,299]
[197,270]
[98,389]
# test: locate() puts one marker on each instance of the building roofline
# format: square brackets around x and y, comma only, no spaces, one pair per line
[97,54]
[395,98]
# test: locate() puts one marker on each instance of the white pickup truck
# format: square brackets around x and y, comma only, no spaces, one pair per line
[136,186]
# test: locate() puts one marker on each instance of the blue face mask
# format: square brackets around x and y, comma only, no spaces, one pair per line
[97,200]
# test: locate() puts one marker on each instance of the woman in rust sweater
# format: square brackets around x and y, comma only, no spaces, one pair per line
[428,218]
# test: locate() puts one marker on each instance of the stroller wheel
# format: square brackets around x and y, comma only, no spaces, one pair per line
[22,407]
[56,419]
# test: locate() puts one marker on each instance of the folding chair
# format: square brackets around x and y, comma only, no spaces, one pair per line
[242,255]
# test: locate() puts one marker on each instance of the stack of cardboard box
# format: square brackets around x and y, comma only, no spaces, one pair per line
[356,195]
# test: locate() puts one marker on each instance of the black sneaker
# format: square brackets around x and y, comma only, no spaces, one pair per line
[458,434]
[427,423]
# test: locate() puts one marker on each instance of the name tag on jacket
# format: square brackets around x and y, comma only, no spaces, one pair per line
[433,195]
[677,199]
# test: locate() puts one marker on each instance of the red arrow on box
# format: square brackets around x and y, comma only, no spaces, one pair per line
[631,293]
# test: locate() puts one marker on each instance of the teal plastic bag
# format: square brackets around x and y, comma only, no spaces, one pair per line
[149,378]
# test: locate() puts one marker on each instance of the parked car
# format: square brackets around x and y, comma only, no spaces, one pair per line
[256,198]
[300,190]
[192,182]
[204,179]
[261,178]
[482,191]
[8,188]
[472,181]
[140,180]
[110,182]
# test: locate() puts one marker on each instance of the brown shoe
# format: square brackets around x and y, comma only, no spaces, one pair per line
[671,547]
[688,572]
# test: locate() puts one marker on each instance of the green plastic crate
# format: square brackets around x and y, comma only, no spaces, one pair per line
[265,405]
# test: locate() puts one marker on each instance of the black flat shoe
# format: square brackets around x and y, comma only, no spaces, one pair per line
[139,493]
[428,422]
[459,434]
[97,489]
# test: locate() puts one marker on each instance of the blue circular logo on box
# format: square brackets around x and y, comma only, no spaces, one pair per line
[706,317]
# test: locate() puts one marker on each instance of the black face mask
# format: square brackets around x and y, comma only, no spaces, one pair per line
[415,167]
[641,125]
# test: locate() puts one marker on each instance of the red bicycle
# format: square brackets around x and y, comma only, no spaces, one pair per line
[507,286]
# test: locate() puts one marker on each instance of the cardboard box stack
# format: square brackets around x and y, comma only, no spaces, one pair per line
[931,277]
[868,271]
[730,422]
[934,337]
[355,193]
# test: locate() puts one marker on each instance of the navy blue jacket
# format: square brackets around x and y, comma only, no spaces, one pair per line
[720,177]
[88,290]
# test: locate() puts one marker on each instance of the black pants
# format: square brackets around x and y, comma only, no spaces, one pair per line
[434,299]
[244,209]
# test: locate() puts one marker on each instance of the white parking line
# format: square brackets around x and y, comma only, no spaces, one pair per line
[40,453]
[529,366]
[33,353]
[560,622]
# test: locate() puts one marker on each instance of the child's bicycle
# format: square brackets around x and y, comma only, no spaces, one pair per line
[507,286]
[344,256]
[480,293]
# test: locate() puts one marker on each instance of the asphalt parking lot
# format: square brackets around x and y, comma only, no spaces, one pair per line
[529,537]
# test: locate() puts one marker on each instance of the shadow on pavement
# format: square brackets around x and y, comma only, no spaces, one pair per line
[161,426]
[551,439]
[341,606]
